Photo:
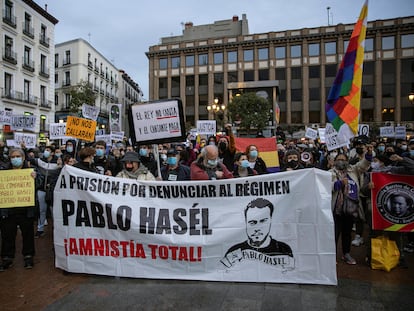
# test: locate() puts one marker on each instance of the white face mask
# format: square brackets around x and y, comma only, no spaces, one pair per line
[375,166]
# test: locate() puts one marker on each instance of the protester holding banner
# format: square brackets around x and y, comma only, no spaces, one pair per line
[133,168]
[17,217]
[105,165]
[345,194]
[255,162]
[48,173]
[242,166]
[173,170]
[208,166]
[86,156]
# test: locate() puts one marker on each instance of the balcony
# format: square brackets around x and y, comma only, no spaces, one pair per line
[102,91]
[66,61]
[9,56]
[96,89]
[96,69]
[45,103]
[27,30]
[44,72]
[44,40]
[9,19]
[28,64]
[19,97]
[66,83]
[90,65]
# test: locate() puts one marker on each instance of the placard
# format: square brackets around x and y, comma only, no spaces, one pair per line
[29,140]
[206,127]
[387,131]
[17,188]
[311,133]
[363,129]
[81,128]
[57,130]
[22,122]
[90,112]
[400,132]
[333,140]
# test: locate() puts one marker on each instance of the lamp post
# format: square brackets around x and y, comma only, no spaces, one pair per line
[411,97]
[217,109]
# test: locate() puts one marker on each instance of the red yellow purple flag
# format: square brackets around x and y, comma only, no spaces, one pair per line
[343,104]
[267,150]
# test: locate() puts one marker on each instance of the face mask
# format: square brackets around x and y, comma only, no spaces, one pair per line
[375,166]
[292,163]
[404,147]
[212,163]
[222,146]
[69,149]
[99,153]
[172,161]
[412,153]
[17,162]
[211,143]
[389,153]
[245,163]
[253,153]
[381,148]
[163,157]
[310,145]
[143,152]
[359,150]
[46,154]
[58,155]
[341,164]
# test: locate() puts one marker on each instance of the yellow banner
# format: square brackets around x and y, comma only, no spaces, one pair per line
[80,128]
[17,188]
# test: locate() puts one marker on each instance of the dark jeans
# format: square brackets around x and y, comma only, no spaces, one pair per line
[343,228]
[8,227]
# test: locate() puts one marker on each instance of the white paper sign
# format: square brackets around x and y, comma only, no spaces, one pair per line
[333,140]
[387,131]
[117,136]
[22,122]
[321,132]
[400,132]
[206,127]
[180,230]
[90,112]
[363,129]
[57,130]
[115,120]
[5,116]
[311,133]
[29,140]
[105,138]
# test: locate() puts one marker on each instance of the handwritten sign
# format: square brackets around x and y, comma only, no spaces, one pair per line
[387,131]
[22,122]
[400,132]
[57,130]
[90,112]
[363,129]
[81,128]
[157,122]
[311,133]
[5,116]
[29,140]
[17,188]
[117,136]
[332,139]
[206,127]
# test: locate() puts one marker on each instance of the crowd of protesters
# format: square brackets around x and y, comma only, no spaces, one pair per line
[207,158]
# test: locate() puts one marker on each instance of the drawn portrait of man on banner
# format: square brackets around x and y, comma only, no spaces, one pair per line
[260,246]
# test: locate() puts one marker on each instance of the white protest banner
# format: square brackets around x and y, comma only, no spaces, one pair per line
[363,129]
[5,116]
[105,138]
[157,122]
[199,230]
[321,132]
[11,143]
[117,136]
[400,132]
[57,130]
[206,127]
[332,139]
[90,112]
[115,120]
[311,133]
[22,122]
[387,131]
[29,140]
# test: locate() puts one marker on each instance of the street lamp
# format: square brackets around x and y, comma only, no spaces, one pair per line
[217,109]
[411,97]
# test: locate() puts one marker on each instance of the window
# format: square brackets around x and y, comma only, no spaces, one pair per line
[295,51]
[163,63]
[26,56]
[313,49]
[66,61]
[388,43]
[175,86]
[296,72]
[330,48]
[8,44]
[43,64]
[175,62]
[280,73]
[67,78]
[314,94]
[203,80]
[314,72]
[202,59]
[248,75]
[280,52]
[248,56]
[218,58]
[189,60]
[369,68]
[330,70]
[346,43]
[263,54]
[296,94]
[56,78]
[26,94]
[42,123]
[231,76]
[7,84]
[9,12]
[263,74]
[407,41]
[27,25]
[369,44]
[43,97]
[232,57]
[67,101]
[43,35]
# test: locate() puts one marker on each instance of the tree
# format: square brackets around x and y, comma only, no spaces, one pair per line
[251,111]
[80,94]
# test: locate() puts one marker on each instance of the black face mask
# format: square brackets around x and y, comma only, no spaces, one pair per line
[389,153]
[222,146]
[359,150]
[292,164]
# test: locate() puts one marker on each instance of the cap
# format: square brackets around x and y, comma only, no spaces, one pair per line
[131,156]
[172,151]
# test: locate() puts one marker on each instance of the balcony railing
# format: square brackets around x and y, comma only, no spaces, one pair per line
[66,61]
[66,82]
[44,40]
[27,30]
[96,89]
[28,64]
[45,103]
[90,65]
[96,69]
[9,56]
[19,97]
[44,71]
[9,19]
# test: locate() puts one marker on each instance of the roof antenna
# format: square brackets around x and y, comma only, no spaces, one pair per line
[327,9]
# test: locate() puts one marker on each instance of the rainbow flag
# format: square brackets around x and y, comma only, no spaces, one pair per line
[267,150]
[343,104]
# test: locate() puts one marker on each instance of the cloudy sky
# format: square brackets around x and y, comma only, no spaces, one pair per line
[124,30]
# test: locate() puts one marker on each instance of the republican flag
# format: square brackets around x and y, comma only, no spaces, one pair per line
[266,147]
[343,104]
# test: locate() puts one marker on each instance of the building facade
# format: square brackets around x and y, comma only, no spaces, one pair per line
[26,68]
[77,61]
[217,61]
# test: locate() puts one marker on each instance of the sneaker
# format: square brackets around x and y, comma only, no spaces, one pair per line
[39,234]
[28,262]
[46,223]
[409,248]
[358,240]
[6,263]
[348,259]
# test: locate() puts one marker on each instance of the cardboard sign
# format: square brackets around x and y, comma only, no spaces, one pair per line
[29,140]
[387,131]
[90,112]
[206,127]
[17,188]
[57,130]
[311,133]
[80,128]
[333,140]
[158,122]
[22,122]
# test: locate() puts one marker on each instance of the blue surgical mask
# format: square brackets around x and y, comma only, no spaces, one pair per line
[99,152]
[245,163]
[381,148]
[253,153]
[172,161]
[58,155]
[212,163]
[17,162]
[143,152]
[46,154]
[69,149]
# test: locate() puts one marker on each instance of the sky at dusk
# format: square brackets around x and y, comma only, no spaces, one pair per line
[122,31]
